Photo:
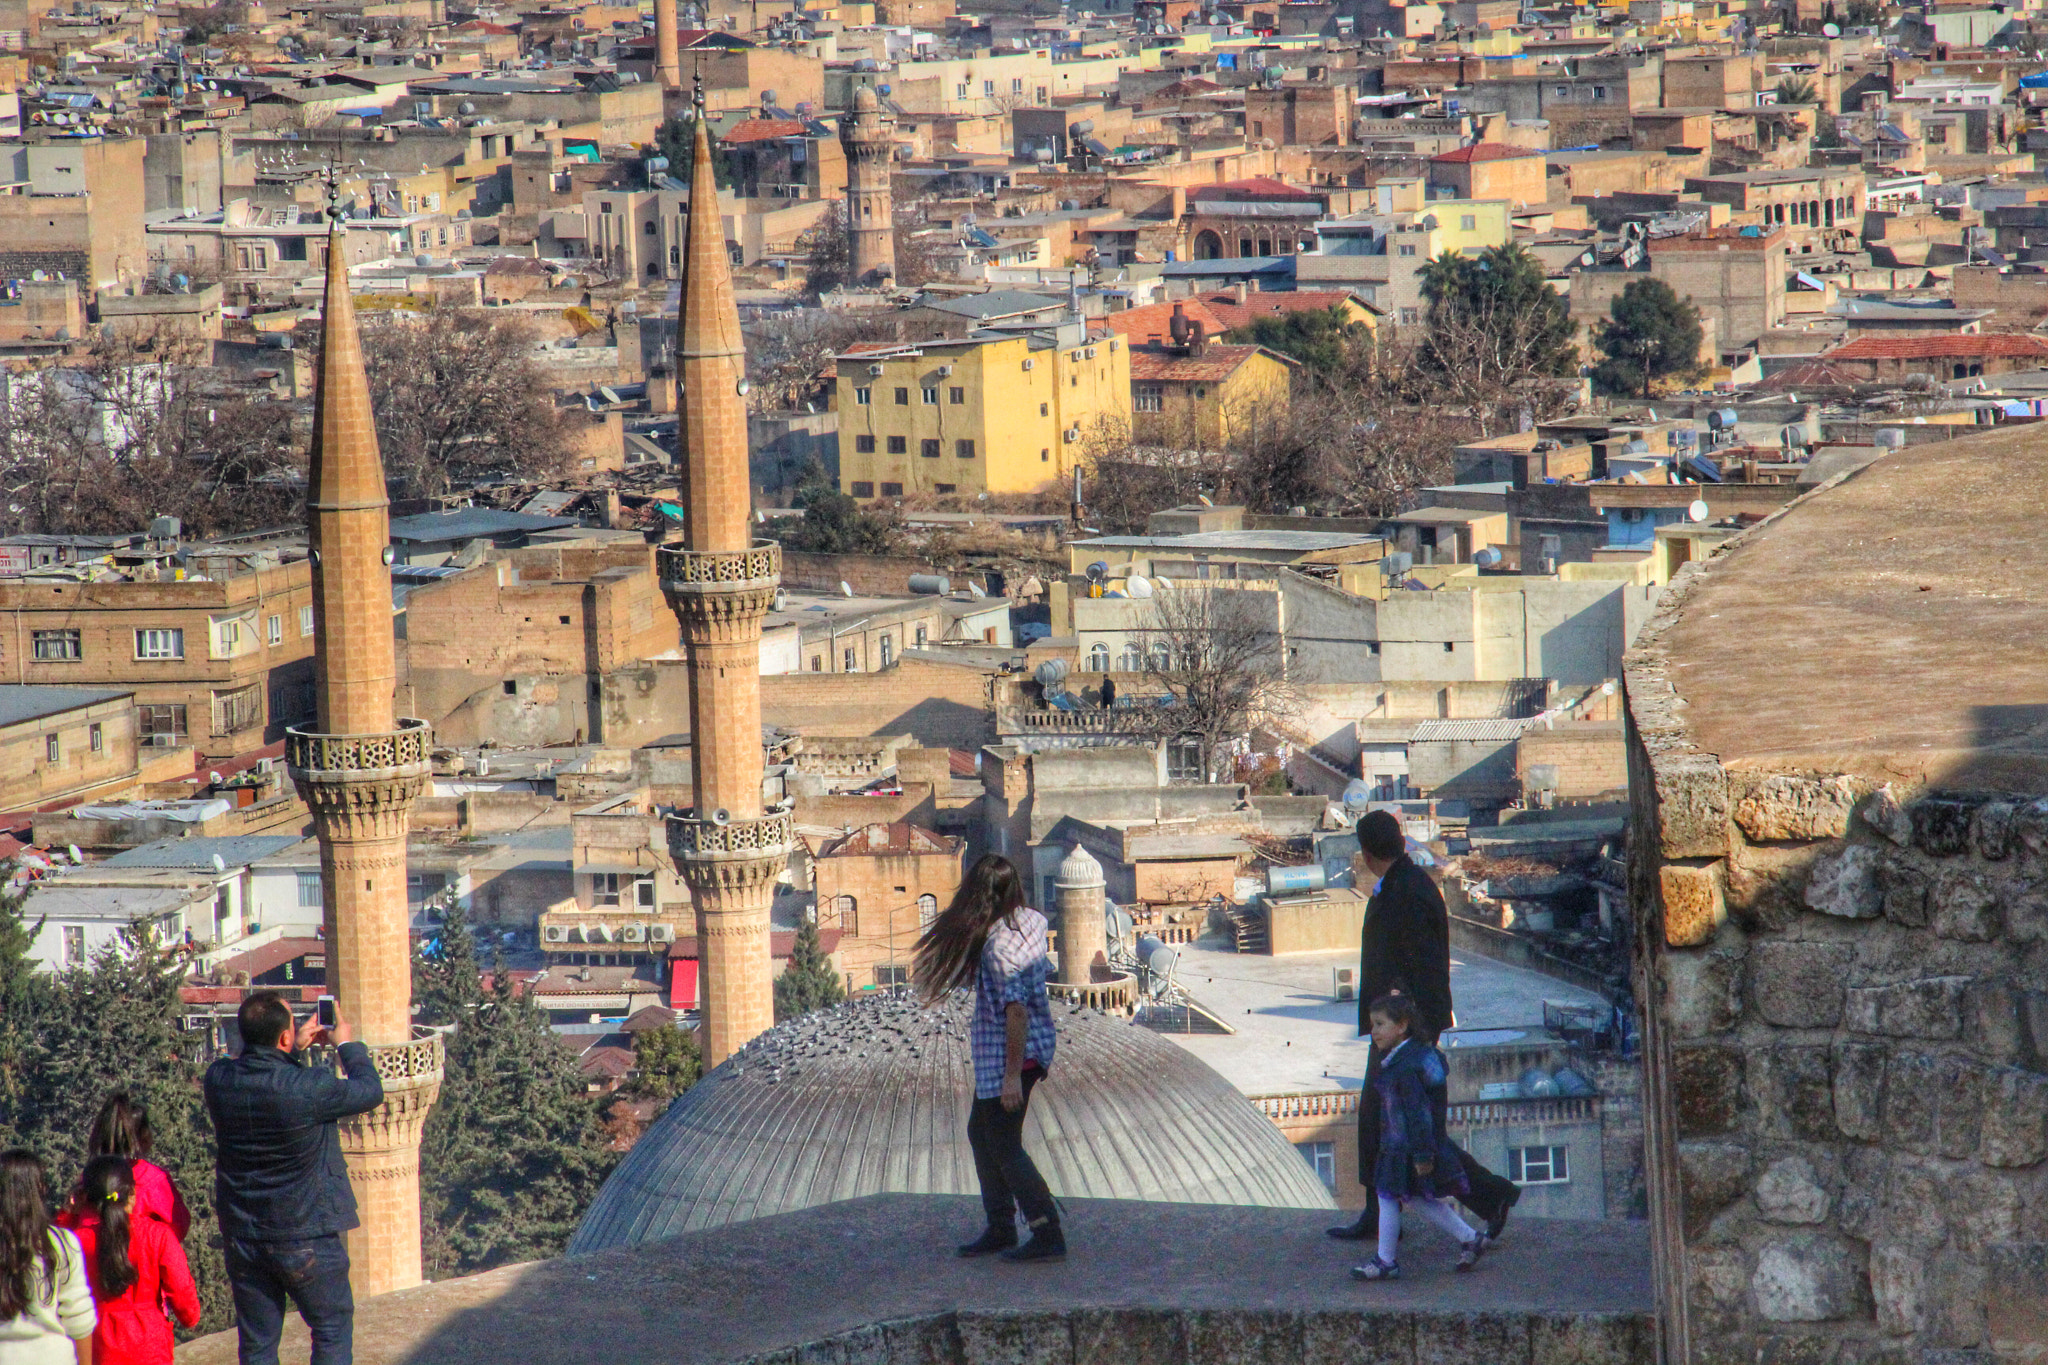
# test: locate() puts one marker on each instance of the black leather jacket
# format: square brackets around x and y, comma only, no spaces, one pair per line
[280,1176]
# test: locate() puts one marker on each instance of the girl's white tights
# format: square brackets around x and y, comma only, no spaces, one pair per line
[1434,1211]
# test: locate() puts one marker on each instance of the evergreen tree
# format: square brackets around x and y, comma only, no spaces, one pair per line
[1651,334]
[1494,322]
[1320,338]
[666,1062]
[514,1150]
[809,982]
[832,523]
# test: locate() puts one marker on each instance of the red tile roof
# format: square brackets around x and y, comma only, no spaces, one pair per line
[1483,151]
[268,957]
[1257,187]
[1232,314]
[762,130]
[1150,322]
[1970,345]
[1216,363]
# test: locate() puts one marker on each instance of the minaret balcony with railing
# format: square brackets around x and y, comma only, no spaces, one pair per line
[709,588]
[727,851]
[360,775]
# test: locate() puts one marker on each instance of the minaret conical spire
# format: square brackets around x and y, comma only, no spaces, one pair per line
[349,511]
[711,363]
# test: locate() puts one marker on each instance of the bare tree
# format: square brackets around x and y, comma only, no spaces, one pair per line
[458,397]
[1213,654]
[787,356]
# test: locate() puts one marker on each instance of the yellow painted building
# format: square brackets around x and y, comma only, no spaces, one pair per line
[1207,400]
[1007,415]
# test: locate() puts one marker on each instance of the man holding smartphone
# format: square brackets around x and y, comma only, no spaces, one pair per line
[280,1181]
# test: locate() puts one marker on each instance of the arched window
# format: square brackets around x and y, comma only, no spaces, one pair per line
[927,911]
[1098,658]
[848,911]
[1132,661]
[1208,246]
[1162,657]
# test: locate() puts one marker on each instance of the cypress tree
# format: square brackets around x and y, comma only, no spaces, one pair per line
[809,982]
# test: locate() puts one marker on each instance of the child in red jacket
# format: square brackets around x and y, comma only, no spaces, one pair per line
[135,1264]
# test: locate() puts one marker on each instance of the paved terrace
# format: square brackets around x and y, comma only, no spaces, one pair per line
[874,1282]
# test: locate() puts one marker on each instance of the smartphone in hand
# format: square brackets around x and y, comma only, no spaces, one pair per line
[326,1014]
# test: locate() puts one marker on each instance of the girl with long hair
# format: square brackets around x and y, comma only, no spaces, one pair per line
[46,1313]
[135,1264]
[122,1129]
[989,939]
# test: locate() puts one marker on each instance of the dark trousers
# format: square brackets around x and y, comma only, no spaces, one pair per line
[1490,1196]
[1009,1179]
[311,1276]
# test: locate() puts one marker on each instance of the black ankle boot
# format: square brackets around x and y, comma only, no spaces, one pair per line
[994,1239]
[1047,1243]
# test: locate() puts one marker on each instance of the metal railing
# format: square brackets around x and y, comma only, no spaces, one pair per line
[710,568]
[307,751]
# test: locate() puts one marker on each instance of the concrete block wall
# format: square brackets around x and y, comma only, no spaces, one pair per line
[1591,758]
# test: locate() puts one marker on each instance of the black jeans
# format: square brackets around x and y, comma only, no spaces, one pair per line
[1490,1196]
[1009,1179]
[312,1276]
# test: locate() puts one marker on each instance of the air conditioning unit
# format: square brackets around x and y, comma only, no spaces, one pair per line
[634,933]
[661,933]
[1028,362]
[875,370]
[1112,345]
[945,370]
[1071,435]
[1344,983]
[1090,353]
[556,933]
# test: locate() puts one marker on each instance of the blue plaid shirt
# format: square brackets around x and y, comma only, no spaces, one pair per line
[1013,971]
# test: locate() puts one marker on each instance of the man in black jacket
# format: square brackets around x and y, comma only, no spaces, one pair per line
[1405,949]
[280,1182]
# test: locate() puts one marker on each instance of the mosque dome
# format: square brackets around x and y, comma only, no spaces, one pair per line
[1079,868]
[872,1098]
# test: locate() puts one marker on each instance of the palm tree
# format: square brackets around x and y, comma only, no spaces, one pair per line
[1795,90]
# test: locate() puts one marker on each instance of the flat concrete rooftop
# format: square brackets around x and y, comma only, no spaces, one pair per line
[1889,625]
[875,1280]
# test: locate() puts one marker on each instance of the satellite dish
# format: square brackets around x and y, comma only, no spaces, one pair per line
[1357,795]
[845,588]
[1136,586]
[76,857]
[1203,498]
[219,863]
[1831,30]
[1160,968]
[975,590]
[1116,920]
[1697,511]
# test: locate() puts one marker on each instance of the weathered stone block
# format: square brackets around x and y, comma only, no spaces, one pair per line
[1455,1339]
[1905,885]
[1693,908]
[1785,807]
[864,1345]
[1706,1088]
[2030,823]
[1712,1175]
[1793,1092]
[1799,985]
[1791,1192]
[1134,1336]
[1931,1007]
[1804,1349]
[1961,1084]
[1692,805]
[933,1340]
[1966,908]
[2018,1302]
[1860,1197]
[1858,1090]
[1883,813]
[1591,1339]
[1720,1278]
[1385,1337]
[1704,988]
[2026,911]
[1845,883]
[1994,829]
[1764,885]
[1249,1337]
[1898,1287]
[828,1351]
[1941,824]
[1015,1338]
[1807,1278]
[1995,1021]
[2014,1132]
[1958,1356]
[1910,1082]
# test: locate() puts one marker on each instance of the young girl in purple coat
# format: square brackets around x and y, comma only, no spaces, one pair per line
[1417,1163]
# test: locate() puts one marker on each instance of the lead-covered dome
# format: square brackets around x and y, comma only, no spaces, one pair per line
[872,1098]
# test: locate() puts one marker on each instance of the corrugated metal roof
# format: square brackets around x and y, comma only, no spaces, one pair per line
[19,703]
[1478,731]
[235,850]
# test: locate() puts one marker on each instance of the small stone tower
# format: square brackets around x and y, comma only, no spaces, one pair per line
[869,137]
[720,582]
[1084,939]
[668,66]
[360,772]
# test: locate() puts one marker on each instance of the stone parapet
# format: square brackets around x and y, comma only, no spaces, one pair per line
[730,854]
[718,594]
[1117,995]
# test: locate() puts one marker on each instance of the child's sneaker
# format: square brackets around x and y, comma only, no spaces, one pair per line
[1474,1249]
[1376,1269]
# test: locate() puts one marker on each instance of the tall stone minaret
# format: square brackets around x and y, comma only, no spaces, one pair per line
[869,137]
[360,772]
[720,582]
[668,66]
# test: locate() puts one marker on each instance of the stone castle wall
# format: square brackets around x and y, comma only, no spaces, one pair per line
[1847,1033]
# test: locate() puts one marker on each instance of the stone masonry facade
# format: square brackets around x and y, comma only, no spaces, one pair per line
[1847,1054]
